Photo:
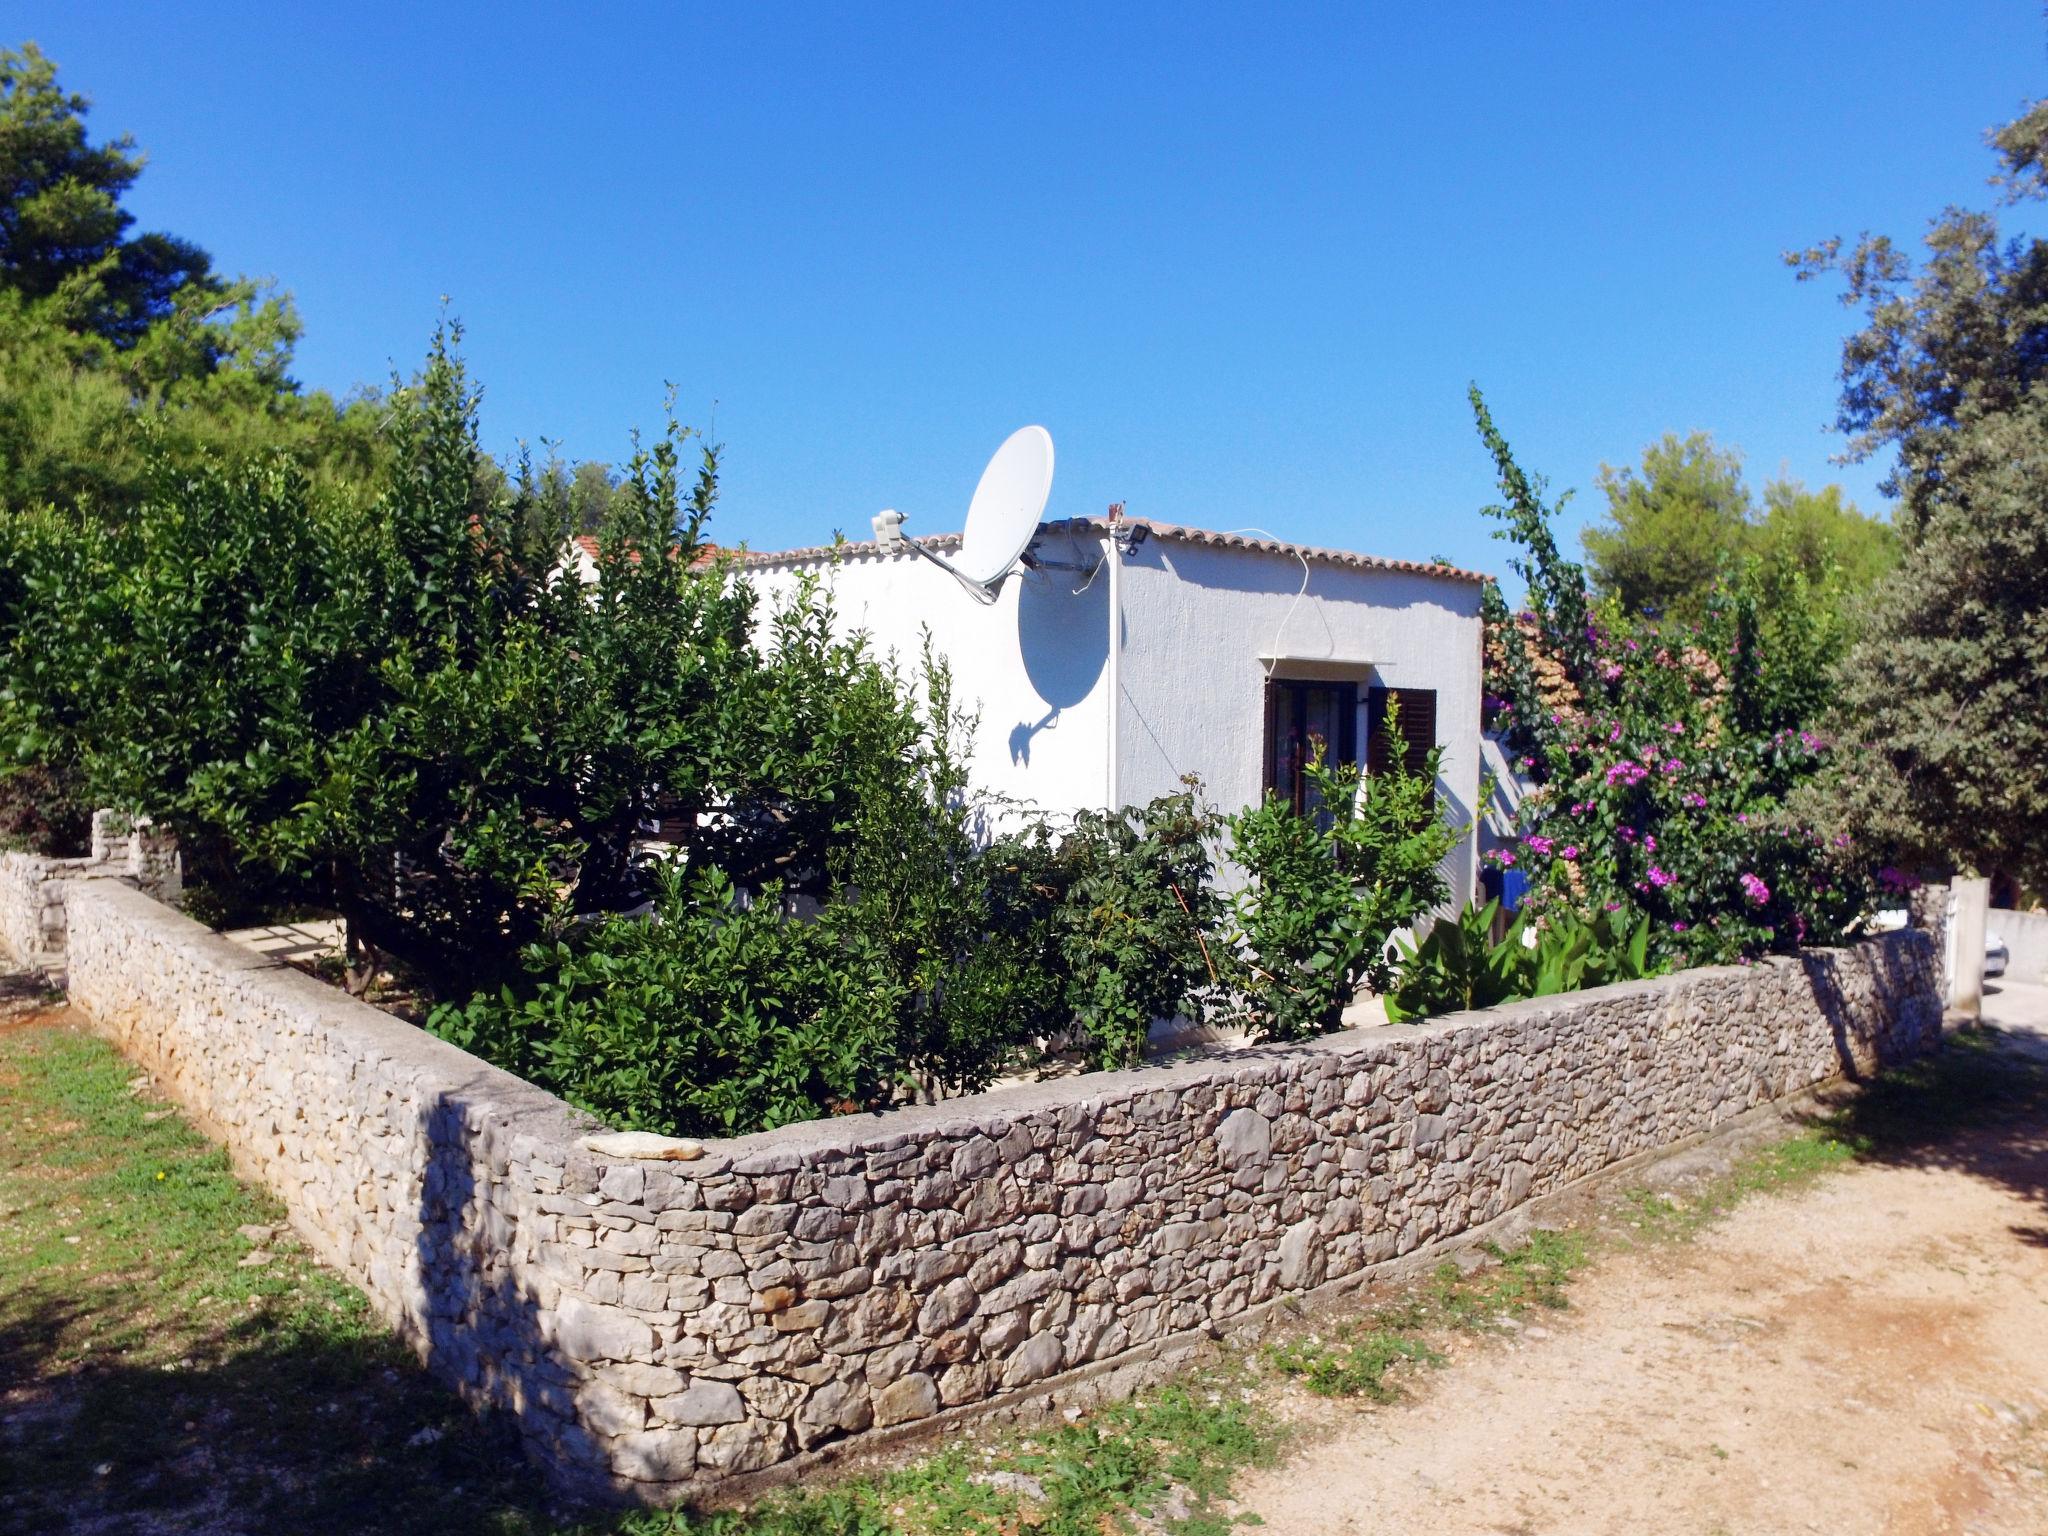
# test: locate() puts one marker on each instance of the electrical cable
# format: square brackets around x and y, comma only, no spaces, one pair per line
[1273,658]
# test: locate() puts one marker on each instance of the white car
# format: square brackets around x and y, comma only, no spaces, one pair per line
[1995,954]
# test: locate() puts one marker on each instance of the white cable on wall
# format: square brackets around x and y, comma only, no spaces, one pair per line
[1273,656]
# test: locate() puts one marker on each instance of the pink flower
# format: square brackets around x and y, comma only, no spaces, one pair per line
[1676,727]
[1540,846]
[1625,773]
[1694,799]
[1757,892]
[1568,851]
[1672,765]
[1678,927]
[1661,878]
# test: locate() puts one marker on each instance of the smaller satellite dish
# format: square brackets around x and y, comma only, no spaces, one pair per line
[1001,519]
[1007,506]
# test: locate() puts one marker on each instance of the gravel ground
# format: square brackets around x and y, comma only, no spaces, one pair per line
[1869,1355]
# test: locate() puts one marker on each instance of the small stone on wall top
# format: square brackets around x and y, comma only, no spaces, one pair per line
[644,1145]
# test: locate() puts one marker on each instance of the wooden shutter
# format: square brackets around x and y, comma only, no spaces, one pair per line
[1418,728]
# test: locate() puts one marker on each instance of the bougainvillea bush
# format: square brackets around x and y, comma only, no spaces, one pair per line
[1663,760]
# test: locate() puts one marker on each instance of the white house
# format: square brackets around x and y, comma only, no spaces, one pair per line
[1236,650]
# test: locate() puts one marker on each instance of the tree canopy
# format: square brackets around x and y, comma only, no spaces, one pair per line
[1941,697]
[1676,528]
[115,343]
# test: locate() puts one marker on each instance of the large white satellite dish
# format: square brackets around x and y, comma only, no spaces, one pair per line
[1001,519]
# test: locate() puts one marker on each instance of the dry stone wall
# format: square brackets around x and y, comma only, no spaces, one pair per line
[33,886]
[658,1327]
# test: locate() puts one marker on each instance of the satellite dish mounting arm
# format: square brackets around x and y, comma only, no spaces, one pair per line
[890,537]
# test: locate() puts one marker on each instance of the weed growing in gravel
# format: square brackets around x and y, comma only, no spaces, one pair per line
[1356,1361]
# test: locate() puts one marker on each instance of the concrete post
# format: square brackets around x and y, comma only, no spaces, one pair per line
[1969,901]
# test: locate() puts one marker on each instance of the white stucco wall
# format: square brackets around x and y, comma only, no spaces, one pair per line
[1203,628]
[1030,663]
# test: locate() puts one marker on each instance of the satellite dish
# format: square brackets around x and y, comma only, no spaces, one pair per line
[1001,519]
[1007,506]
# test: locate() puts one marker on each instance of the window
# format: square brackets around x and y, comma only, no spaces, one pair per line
[1418,729]
[1298,715]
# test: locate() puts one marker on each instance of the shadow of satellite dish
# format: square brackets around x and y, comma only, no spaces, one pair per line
[1063,636]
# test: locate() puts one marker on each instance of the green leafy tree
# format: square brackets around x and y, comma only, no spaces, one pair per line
[1672,528]
[1133,928]
[1940,698]
[64,237]
[104,329]
[1948,341]
[1681,527]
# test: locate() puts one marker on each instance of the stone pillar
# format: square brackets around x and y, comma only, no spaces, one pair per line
[1969,901]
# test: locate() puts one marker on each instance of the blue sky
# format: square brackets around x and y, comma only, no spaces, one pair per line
[1240,260]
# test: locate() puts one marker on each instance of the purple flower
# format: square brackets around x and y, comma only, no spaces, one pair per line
[1650,842]
[1625,773]
[1614,735]
[1757,892]
[1661,878]
[1672,765]
[1568,851]
[1540,846]
[1678,927]
[1694,799]
[1676,727]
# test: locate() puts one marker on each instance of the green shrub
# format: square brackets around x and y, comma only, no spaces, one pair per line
[1133,921]
[1459,966]
[710,1016]
[1326,890]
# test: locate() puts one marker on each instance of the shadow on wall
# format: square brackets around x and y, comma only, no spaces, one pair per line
[481,1328]
[1895,969]
[1063,636]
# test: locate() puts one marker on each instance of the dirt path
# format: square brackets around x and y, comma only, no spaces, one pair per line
[1867,1356]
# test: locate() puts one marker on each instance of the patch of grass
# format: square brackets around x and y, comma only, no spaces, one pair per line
[1775,1169]
[1359,1358]
[1168,1457]
[162,1373]
[1355,1363]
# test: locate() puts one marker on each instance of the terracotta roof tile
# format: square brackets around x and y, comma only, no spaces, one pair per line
[866,549]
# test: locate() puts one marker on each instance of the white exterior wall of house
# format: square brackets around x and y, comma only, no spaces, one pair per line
[1205,626]
[1019,662]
